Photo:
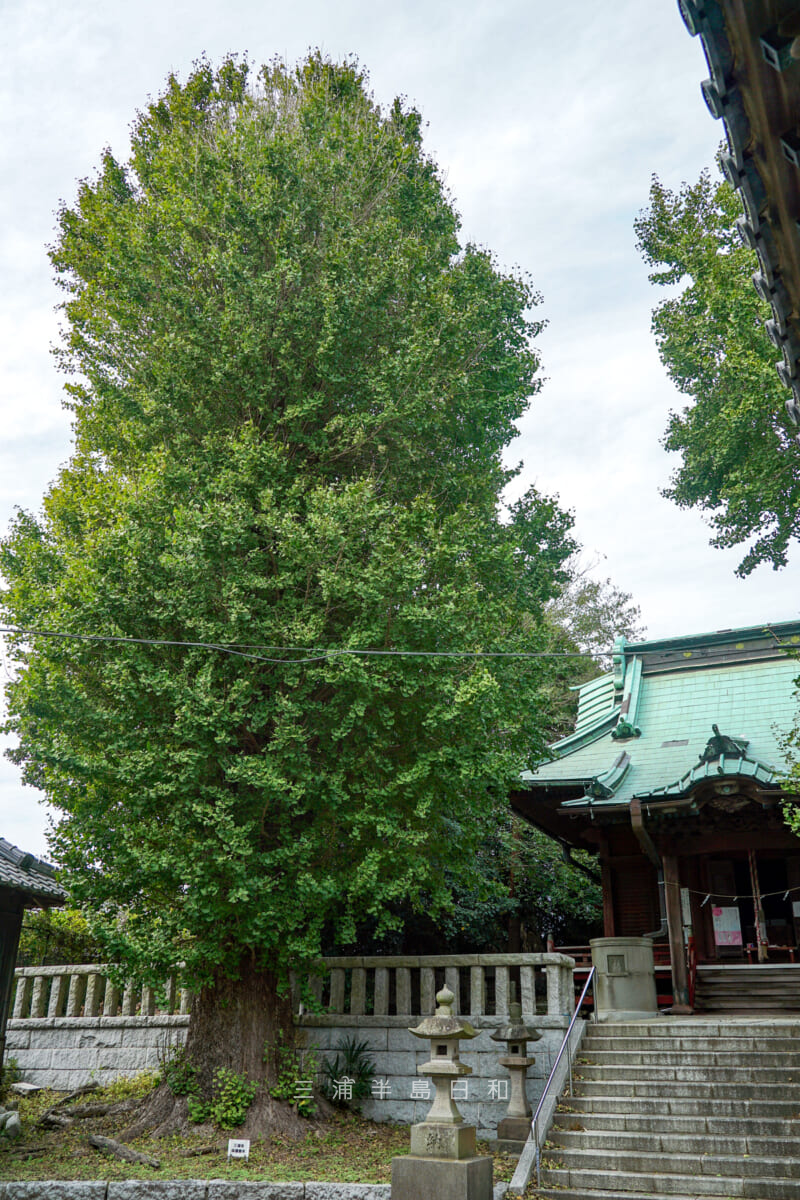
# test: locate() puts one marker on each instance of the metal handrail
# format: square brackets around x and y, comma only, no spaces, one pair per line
[564,1046]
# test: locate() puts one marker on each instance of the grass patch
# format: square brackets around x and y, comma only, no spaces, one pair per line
[345,1149]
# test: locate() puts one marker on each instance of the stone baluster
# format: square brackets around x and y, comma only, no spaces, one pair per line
[381,1006]
[567,991]
[477,991]
[148,1005]
[23,997]
[501,991]
[91,1005]
[358,992]
[169,994]
[452,981]
[553,972]
[337,990]
[58,995]
[77,987]
[111,1000]
[129,1000]
[38,995]
[527,988]
[186,1002]
[403,991]
[315,985]
[427,991]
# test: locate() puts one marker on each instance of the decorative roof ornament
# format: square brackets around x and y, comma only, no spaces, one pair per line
[604,785]
[721,744]
[624,730]
[618,662]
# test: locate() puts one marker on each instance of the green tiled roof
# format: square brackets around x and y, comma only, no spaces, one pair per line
[673,693]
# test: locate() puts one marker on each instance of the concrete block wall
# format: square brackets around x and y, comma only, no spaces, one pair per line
[397,1054]
[66,1052]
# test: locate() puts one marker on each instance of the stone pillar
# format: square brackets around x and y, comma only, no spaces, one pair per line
[625,981]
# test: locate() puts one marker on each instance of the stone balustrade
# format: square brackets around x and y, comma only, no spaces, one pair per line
[407,985]
[355,986]
[87,991]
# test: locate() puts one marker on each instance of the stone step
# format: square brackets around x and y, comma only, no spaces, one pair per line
[755,981]
[670,1142]
[749,970]
[693,1058]
[682,1106]
[561,1193]
[593,1045]
[587,1183]
[685,1109]
[714,1002]
[697,1028]
[690,1072]
[689,1089]
[692,1024]
[699,1124]
[725,987]
[653,1163]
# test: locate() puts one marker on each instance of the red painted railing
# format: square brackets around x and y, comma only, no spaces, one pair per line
[692,956]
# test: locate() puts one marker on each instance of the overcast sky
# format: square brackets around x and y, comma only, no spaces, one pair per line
[548,121]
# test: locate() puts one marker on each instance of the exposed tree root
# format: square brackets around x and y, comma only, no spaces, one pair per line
[163,1114]
[108,1146]
[52,1117]
[160,1114]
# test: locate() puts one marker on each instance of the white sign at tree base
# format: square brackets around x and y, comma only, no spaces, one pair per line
[238,1148]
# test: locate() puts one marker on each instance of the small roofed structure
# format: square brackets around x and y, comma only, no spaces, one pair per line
[25,882]
[673,778]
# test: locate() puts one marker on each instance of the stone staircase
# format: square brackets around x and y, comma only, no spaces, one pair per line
[685,1108]
[757,987]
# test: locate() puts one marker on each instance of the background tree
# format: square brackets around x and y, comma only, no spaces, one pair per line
[56,935]
[740,454]
[586,617]
[291,391]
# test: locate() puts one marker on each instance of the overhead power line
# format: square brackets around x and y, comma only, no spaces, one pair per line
[311,654]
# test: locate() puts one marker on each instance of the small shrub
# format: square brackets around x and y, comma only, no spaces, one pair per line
[9,1073]
[231,1097]
[354,1063]
[127,1086]
[179,1074]
[233,1094]
[296,1071]
[199,1112]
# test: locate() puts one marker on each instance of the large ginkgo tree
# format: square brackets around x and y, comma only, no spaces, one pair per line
[292,387]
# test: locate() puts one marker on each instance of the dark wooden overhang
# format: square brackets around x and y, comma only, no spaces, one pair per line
[541,806]
[753,52]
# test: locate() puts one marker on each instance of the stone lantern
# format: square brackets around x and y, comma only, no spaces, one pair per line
[443,1159]
[513,1130]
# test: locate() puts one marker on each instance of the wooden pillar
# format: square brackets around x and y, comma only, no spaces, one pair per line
[608,890]
[677,953]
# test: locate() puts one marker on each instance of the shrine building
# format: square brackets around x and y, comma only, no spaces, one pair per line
[672,777]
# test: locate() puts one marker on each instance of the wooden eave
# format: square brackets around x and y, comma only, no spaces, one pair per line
[754,87]
[540,806]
